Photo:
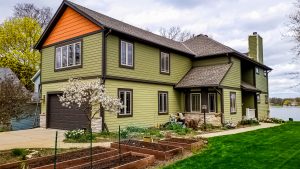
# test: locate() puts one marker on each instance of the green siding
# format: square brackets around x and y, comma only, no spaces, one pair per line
[261,81]
[262,107]
[145,104]
[210,61]
[91,65]
[253,47]
[233,76]
[146,63]
[232,117]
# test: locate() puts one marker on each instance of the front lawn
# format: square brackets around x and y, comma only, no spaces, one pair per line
[277,147]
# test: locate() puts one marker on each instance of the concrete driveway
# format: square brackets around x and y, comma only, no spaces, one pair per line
[38,138]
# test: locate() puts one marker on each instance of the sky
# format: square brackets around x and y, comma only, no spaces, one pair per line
[227,21]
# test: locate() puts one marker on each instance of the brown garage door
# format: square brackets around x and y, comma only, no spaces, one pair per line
[60,117]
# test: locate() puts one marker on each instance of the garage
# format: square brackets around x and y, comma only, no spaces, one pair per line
[59,117]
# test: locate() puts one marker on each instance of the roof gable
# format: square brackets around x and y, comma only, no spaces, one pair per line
[69,25]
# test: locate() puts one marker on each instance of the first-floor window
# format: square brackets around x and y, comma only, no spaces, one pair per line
[125,96]
[232,102]
[162,102]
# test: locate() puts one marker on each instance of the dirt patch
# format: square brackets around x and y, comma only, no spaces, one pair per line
[152,146]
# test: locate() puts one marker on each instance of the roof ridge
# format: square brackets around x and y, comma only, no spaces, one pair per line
[188,48]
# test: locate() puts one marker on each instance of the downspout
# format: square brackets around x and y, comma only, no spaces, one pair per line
[104,63]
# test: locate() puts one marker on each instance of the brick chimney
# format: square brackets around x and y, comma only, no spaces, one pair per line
[255,44]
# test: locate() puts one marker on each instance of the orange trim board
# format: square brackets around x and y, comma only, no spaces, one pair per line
[71,24]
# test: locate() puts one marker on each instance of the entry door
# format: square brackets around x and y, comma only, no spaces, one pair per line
[212,102]
[195,102]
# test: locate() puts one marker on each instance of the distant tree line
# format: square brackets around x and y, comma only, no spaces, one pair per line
[285,101]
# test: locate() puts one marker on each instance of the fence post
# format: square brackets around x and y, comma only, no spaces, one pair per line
[55,150]
[119,139]
[91,146]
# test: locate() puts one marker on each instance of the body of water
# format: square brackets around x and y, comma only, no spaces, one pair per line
[285,113]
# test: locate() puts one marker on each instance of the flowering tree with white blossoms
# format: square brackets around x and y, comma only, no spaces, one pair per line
[89,97]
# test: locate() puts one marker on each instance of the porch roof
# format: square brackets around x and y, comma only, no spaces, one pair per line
[248,87]
[204,76]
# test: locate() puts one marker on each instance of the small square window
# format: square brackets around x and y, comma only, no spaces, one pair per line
[258,98]
[257,70]
[266,99]
[265,73]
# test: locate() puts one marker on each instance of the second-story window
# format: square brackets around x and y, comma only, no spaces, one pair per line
[68,55]
[257,70]
[164,63]
[126,54]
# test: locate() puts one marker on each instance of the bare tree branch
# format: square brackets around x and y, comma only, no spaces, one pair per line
[42,15]
[175,33]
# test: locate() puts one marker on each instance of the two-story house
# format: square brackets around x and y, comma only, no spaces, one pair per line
[152,75]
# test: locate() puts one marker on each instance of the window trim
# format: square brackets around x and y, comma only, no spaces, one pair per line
[131,99]
[209,102]
[265,73]
[67,43]
[266,99]
[120,54]
[169,60]
[167,110]
[232,112]
[257,70]
[191,102]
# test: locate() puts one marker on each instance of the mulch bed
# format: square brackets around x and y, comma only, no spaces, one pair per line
[189,144]
[160,151]
[129,160]
[147,145]
[41,161]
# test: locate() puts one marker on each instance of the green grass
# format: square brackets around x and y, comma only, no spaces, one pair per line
[274,148]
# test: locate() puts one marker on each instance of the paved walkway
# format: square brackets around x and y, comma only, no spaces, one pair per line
[38,138]
[239,130]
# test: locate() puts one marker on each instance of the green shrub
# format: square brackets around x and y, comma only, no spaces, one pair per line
[178,128]
[74,134]
[272,120]
[249,122]
[19,152]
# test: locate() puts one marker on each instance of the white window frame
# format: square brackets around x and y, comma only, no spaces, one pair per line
[215,103]
[164,107]
[233,111]
[127,44]
[191,102]
[74,56]
[125,101]
[165,57]
[257,70]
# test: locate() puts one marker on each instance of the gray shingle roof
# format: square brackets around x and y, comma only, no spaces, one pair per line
[202,45]
[249,87]
[8,73]
[125,28]
[204,76]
